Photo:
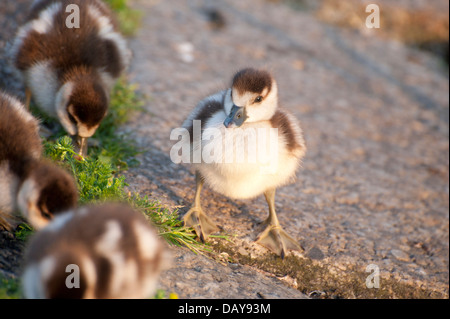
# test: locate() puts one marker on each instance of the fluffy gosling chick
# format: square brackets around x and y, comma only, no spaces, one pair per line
[68,69]
[27,184]
[109,251]
[45,192]
[236,125]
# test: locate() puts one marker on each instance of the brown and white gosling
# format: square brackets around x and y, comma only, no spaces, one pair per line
[235,129]
[101,252]
[36,188]
[70,69]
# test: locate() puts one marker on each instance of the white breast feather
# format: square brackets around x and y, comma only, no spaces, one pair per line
[256,164]
[43,83]
[9,184]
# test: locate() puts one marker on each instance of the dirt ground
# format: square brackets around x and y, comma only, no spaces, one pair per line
[374,185]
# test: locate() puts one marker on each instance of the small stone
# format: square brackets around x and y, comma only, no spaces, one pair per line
[400,255]
[350,199]
[316,253]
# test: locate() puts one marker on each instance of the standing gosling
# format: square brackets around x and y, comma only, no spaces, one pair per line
[36,188]
[68,69]
[107,251]
[235,124]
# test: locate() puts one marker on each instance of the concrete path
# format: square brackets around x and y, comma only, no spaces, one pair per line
[373,188]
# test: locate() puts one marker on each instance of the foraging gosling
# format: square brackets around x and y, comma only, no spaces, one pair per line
[235,125]
[36,188]
[68,69]
[104,251]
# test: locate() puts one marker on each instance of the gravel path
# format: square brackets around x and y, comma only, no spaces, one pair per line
[374,186]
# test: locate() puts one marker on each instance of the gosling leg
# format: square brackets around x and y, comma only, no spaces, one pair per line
[27,98]
[274,237]
[196,218]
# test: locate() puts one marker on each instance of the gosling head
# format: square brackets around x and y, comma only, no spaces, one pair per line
[81,105]
[46,191]
[253,97]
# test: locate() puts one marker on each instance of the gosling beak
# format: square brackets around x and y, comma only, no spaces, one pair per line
[80,145]
[237,116]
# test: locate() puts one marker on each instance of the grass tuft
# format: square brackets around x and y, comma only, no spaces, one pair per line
[9,288]
[129,19]
[95,179]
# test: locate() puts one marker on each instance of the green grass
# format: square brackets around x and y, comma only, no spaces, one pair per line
[95,179]
[23,231]
[170,226]
[9,288]
[161,294]
[129,19]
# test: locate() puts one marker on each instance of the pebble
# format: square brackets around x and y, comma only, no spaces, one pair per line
[315,253]
[400,255]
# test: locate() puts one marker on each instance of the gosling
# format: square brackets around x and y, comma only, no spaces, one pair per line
[235,125]
[102,252]
[70,69]
[34,187]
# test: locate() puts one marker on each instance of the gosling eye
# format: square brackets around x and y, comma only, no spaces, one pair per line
[47,215]
[258,99]
[71,118]
[238,116]
[45,212]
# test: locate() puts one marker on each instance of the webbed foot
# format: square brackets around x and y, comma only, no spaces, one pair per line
[277,240]
[201,223]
